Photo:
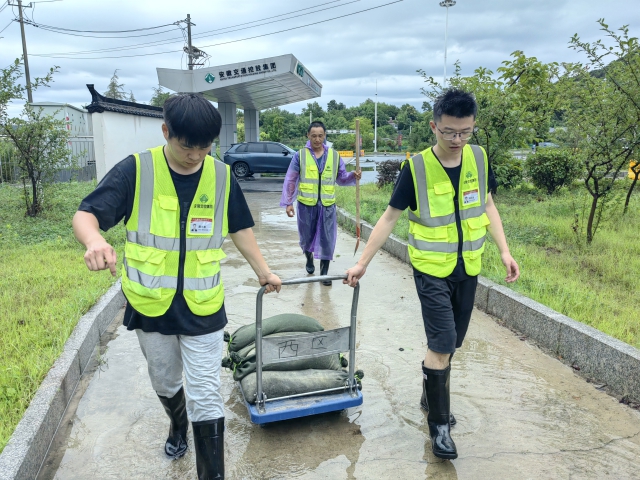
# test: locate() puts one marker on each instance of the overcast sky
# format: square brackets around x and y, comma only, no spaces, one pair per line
[346,55]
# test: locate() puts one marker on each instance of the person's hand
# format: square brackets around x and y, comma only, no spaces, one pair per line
[271,281]
[354,274]
[100,256]
[513,271]
[358,174]
[290,211]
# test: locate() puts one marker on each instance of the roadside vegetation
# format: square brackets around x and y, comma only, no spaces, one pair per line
[45,288]
[592,284]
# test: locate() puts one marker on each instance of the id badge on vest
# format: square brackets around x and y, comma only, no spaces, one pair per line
[201,226]
[470,197]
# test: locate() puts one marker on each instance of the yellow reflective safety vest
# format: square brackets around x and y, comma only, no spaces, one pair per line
[152,251]
[433,234]
[314,186]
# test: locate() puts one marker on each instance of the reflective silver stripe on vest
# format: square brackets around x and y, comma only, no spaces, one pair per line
[202,283]
[168,244]
[302,162]
[442,247]
[217,239]
[145,198]
[482,183]
[150,281]
[474,245]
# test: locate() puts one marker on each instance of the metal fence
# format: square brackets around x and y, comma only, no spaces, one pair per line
[79,147]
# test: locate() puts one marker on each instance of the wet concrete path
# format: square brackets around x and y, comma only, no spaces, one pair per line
[521,414]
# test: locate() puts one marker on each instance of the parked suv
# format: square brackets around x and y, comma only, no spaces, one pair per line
[258,157]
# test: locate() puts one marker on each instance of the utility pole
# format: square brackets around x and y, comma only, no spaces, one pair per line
[446,4]
[189,41]
[24,48]
[375,123]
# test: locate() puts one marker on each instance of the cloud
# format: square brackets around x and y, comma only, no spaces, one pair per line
[347,55]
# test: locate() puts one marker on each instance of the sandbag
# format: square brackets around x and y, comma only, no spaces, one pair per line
[286,322]
[243,362]
[279,384]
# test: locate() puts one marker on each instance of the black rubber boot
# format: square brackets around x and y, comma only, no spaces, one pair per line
[439,411]
[208,437]
[310,266]
[324,269]
[423,400]
[176,409]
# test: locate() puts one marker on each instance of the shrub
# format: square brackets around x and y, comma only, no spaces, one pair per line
[388,172]
[551,168]
[507,170]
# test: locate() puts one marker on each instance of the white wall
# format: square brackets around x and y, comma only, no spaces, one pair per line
[117,135]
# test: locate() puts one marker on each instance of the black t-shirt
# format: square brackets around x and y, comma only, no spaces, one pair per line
[404,197]
[112,201]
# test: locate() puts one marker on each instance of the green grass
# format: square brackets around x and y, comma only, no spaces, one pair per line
[592,284]
[45,288]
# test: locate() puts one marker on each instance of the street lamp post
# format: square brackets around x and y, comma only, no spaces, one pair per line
[375,123]
[446,4]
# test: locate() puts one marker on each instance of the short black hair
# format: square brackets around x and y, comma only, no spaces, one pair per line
[192,118]
[317,124]
[455,103]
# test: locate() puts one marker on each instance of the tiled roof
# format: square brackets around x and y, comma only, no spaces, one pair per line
[101,104]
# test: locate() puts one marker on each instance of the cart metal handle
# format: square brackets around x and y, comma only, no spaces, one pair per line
[353,387]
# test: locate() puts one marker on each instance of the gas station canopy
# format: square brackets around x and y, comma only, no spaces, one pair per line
[253,86]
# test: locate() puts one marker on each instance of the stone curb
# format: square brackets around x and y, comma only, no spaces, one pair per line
[22,457]
[595,355]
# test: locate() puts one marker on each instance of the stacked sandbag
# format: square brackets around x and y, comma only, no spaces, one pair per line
[243,362]
[280,384]
[285,378]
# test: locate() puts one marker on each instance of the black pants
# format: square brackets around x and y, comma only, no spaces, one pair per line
[446,309]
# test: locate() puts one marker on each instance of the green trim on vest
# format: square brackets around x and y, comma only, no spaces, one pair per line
[433,234]
[313,186]
[152,251]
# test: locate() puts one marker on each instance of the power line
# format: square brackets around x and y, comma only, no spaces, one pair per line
[6,26]
[240,39]
[106,31]
[203,34]
[43,27]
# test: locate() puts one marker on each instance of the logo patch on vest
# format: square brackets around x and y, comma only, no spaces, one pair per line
[469,175]
[204,198]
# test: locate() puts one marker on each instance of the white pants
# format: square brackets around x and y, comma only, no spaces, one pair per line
[199,357]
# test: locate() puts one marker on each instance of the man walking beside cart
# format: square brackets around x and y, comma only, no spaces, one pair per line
[178,205]
[446,189]
[311,180]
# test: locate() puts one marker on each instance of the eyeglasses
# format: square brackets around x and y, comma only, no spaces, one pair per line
[463,135]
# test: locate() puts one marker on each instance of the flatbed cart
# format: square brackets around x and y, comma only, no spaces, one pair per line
[271,350]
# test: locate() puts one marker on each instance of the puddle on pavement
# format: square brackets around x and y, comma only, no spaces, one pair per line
[521,413]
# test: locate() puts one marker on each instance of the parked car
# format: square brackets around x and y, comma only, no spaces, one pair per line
[248,158]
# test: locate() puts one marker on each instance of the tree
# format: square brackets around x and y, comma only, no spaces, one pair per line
[41,145]
[40,141]
[277,129]
[315,109]
[602,122]
[115,90]
[159,97]
[623,73]
[131,98]
[334,106]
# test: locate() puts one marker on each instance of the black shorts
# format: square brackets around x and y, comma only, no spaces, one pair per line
[446,309]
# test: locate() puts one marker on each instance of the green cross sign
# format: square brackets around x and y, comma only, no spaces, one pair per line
[209,78]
